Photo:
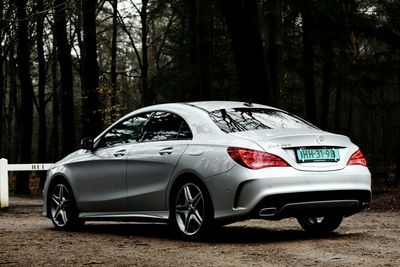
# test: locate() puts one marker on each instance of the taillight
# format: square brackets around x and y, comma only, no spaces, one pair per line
[254,159]
[357,159]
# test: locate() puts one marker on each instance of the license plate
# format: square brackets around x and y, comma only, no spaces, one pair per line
[317,155]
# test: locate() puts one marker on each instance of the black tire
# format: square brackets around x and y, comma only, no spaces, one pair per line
[320,225]
[62,207]
[191,210]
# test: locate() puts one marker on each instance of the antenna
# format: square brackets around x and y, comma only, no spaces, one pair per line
[249,103]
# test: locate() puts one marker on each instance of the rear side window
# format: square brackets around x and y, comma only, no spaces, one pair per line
[248,119]
[166,126]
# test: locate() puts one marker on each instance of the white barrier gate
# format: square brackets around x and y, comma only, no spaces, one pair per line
[5,168]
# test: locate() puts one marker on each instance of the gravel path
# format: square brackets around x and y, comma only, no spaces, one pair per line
[27,239]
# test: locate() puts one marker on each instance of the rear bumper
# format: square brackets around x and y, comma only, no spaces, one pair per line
[312,204]
[283,192]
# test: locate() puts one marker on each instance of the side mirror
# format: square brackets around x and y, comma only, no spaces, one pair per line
[87,144]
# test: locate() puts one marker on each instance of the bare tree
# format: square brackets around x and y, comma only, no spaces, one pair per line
[24,75]
[252,72]
[90,69]
[67,93]
[114,57]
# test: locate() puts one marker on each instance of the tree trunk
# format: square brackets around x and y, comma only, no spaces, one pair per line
[275,44]
[114,59]
[67,93]
[253,74]
[326,81]
[397,177]
[338,109]
[92,123]
[204,46]
[23,60]
[42,144]
[308,66]
[2,98]
[147,96]
[190,11]
[13,112]
[55,106]
[2,91]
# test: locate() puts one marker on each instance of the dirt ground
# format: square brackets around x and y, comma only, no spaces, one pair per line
[371,238]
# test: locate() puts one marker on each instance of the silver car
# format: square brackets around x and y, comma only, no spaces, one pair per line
[201,164]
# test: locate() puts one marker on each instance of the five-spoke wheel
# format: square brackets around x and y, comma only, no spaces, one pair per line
[190,209]
[62,206]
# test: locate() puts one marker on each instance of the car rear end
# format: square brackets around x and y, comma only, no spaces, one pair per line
[297,171]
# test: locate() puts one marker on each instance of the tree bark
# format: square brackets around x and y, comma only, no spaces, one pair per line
[327,47]
[204,46]
[397,176]
[13,112]
[308,66]
[92,123]
[2,78]
[275,45]
[190,11]
[253,74]
[114,59]
[55,106]
[147,96]
[42,144]
[67,93]
[24,75]
[338,109]
[2,95]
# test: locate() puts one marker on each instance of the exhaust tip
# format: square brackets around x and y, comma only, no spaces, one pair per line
[266,212]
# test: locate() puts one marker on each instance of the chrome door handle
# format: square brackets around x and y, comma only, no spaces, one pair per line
[120,153]
[166,151]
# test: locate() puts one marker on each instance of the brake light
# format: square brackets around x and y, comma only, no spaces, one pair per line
[254,159]
[357,159]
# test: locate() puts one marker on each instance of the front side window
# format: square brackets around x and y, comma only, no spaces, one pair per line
[125,132]
[247,119]
[166,126]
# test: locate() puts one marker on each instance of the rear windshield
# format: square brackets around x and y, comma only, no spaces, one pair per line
[247,119]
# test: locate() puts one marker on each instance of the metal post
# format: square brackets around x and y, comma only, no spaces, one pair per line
[3,183]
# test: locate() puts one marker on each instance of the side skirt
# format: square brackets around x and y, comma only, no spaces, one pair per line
[154,216]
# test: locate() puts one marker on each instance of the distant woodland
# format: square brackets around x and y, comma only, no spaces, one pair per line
[69,68]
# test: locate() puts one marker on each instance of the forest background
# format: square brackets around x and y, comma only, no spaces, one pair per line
[68,68]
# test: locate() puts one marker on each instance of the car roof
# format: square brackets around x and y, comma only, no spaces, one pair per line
[207,106]
[216,105]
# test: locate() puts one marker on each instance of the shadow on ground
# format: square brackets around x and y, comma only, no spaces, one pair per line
[226,234]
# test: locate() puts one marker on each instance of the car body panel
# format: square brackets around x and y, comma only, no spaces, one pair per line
[150,167]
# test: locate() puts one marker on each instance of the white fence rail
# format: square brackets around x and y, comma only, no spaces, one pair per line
[5,168]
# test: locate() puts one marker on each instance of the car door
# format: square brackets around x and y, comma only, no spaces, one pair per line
[102,181]
[152,161]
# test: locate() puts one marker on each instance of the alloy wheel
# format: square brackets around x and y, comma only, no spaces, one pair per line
[61,205]
[189,209]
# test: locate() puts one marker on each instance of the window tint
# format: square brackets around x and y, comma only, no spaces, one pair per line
[166,126]
[125,132]
[184,131]
[247,119]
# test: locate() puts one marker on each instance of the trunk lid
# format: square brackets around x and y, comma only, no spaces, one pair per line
[285,142]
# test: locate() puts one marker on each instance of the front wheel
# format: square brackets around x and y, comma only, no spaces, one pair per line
[63,210]
[191,210]
[324,224]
